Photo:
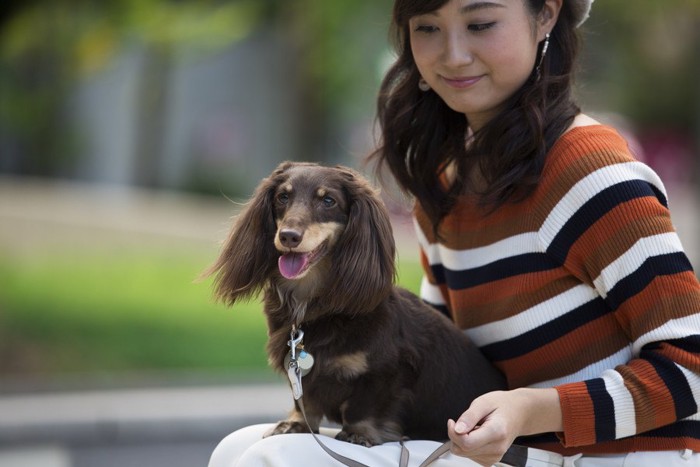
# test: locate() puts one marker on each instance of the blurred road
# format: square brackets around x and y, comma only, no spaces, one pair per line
[130,427]
[152,426]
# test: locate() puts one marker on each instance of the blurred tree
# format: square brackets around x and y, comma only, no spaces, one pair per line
[339,44]
[647,58]
[641,60]
[45,46]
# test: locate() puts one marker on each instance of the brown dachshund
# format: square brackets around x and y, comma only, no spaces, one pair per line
[317,240]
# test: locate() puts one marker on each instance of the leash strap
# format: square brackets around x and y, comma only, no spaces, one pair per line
[403,460]
[445,447]
[295,374]
[339,457]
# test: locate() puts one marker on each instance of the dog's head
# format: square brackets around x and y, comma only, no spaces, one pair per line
[311,210]
[311,227]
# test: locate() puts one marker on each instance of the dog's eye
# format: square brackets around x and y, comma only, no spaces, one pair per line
[283,198]
[328,202]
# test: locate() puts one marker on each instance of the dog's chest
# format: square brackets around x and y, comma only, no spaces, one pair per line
[319,357]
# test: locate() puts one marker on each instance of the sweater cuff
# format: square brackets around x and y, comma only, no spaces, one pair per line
[578,415]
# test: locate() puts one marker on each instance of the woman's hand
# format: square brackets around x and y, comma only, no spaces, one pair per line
[487,429]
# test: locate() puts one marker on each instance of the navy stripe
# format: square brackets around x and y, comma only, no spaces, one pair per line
[548,332]
[439,308]
[604,410]
[438,271]
[672,263]
[659,195]
[594,209]
[498,270]
[689,344]
[679,429]
[675,381]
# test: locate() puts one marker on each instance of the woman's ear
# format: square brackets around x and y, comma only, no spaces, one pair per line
[548,18]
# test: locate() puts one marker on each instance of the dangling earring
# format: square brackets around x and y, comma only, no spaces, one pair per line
[545,46]
[423,85]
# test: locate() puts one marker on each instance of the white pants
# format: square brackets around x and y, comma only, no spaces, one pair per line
[247,448]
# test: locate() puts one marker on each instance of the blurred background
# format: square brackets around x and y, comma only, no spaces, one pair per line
[131,131]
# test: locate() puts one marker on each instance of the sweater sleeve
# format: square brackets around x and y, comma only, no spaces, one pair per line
[432,288]
[612,230]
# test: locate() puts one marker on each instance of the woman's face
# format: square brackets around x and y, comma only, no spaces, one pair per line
[475,54]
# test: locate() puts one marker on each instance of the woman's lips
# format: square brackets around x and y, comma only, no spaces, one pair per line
[461,83]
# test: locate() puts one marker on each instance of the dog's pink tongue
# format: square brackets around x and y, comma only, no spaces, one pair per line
[292,264]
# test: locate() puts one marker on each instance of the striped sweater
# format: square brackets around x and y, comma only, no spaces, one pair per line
[585,287]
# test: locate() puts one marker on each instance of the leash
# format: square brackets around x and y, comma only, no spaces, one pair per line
[297,370]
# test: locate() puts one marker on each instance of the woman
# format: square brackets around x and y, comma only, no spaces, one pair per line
[542,238]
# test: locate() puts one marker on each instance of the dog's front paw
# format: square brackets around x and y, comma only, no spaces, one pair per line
[357,438]
[287,426]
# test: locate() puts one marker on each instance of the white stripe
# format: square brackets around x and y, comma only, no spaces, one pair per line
[692,418]
[594,370]
[459,260]
[429,249]
[633,259]
[534,317]
[431,293]
[673,329]
[591,185]
[625,415]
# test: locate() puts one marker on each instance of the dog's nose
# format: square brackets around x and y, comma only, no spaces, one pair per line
[290,238]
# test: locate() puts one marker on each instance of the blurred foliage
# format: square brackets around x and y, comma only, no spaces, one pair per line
[127,311]
[46,45]
[642,60]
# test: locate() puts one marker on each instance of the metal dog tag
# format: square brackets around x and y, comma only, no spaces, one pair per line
[294,375]
[304,359]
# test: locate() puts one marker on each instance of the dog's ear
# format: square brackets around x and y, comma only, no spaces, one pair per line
[363,264]
[247,257]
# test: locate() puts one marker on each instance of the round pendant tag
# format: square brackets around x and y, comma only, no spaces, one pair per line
[304,359]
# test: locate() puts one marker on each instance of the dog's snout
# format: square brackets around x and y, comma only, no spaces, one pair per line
[290,238]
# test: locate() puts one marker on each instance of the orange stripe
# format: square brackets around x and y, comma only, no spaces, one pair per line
[577,410]
[568,354]
[508,297]
[615,233]
[652,400]
[665,298]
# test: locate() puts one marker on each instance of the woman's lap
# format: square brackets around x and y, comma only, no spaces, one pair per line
[247,448]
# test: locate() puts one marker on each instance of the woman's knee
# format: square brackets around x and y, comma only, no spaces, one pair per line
[232,447]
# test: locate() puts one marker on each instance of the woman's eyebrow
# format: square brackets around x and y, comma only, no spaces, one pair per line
[471,7]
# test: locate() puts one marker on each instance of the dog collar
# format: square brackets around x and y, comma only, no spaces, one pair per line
[298,361]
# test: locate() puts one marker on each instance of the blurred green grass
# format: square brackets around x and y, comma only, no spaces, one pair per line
[127,311]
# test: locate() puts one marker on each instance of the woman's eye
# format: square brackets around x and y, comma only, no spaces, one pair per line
[328,201]
[479,27]
[425,29]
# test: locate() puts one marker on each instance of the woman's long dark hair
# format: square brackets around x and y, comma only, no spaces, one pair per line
[421,135]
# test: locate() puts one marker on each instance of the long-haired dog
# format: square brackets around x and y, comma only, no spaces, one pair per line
[318,241]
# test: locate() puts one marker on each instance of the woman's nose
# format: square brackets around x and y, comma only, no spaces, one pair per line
[456,50]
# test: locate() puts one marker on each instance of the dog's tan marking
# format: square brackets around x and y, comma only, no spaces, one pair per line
[321,192]
[314,235]
[350,365]
[288,188]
